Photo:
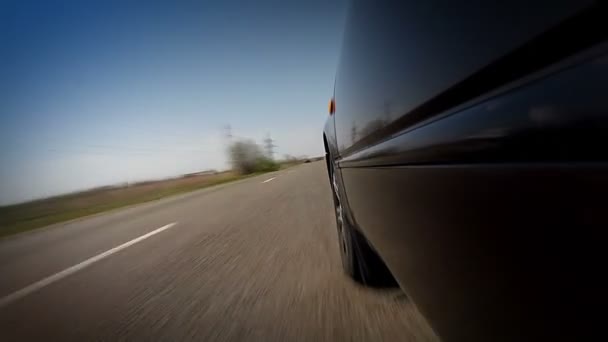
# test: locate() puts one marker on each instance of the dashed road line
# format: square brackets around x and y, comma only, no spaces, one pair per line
[58,276]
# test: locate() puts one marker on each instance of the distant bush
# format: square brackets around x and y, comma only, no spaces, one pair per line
[266,165]
[247,157]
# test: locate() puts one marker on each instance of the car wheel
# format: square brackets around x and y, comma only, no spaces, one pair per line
[345,240]
[349,260]
[359,260]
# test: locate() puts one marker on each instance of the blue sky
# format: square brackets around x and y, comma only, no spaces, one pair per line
[97,93]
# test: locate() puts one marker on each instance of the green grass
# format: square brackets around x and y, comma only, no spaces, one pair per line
[27,216]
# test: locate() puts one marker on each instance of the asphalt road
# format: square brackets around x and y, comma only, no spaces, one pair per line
[255,260]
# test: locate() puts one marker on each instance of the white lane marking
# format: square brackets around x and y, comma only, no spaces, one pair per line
[58,276]
[269,179]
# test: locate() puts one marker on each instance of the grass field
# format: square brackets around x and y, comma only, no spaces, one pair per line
[27,216]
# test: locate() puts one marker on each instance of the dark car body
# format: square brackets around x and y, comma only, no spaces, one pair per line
[470,147]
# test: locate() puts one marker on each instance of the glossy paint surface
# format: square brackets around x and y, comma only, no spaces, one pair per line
[397,56]
[562,117]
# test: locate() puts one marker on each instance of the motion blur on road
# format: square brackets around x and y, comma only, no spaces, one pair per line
[254,260]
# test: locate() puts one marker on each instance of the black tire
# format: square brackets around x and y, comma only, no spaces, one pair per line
[359,260]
